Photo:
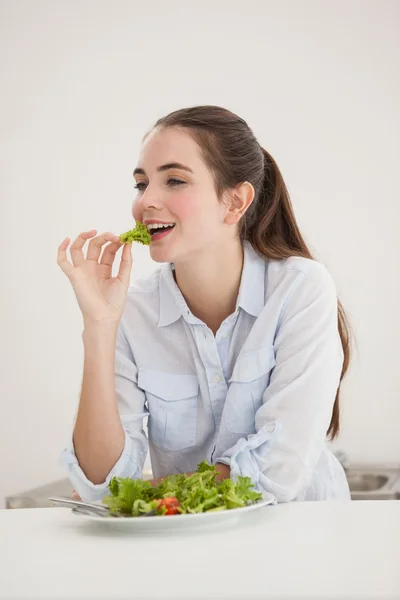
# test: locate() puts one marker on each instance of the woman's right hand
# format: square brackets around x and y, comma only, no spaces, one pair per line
[100,296]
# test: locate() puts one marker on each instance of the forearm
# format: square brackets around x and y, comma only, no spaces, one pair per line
[98,433]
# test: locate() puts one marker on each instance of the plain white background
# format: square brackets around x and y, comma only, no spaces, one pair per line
[82,82]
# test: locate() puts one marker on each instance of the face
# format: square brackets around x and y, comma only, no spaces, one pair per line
[174,186]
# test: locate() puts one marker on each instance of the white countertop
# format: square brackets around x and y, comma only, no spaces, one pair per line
[309,550]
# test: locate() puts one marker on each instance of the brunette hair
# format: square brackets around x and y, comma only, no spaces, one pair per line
[233,154]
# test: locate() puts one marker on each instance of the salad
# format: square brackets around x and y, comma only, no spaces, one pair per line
[140,234]
[180,494]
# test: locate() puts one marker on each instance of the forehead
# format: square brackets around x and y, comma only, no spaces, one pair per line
[163,146]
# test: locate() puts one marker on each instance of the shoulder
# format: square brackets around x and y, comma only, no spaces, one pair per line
[299,272]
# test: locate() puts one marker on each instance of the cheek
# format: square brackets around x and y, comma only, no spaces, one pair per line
[137,211]
[186,207]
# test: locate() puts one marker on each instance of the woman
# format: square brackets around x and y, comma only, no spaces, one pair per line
[235,347]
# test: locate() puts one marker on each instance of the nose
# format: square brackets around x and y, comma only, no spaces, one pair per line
[147,203]
[151,199]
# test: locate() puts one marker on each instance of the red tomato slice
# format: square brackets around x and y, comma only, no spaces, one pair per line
[171,504]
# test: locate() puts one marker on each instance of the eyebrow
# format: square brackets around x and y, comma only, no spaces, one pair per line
[174,165]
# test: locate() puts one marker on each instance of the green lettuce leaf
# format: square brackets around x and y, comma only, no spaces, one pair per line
[125,492]
[196,493]
[139,234]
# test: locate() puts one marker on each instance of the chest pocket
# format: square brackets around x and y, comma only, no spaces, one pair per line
[172,401]
[250,379]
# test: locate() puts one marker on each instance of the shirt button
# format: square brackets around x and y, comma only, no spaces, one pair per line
[271,427]
[217,379]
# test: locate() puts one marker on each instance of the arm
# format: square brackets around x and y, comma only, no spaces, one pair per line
[108,437]
[291,424]
[98,434]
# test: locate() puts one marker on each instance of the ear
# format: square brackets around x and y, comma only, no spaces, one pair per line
[239,201]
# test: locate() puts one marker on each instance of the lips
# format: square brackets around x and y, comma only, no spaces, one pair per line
[160,233]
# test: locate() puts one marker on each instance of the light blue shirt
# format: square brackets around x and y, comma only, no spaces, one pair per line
[257,396]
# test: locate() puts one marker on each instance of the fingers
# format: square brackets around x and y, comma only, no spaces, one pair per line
[125,267]
[76,248]
[62,259]
[98,242]
[109,253]
[75,495]
[94,251]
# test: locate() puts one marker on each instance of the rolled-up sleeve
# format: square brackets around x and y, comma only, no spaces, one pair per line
[132,411]
[292,423]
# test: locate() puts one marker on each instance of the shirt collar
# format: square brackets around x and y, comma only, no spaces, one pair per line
[251,297]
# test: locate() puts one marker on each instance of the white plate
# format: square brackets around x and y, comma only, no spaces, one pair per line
[177,521]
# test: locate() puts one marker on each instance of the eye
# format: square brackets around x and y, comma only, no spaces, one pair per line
[172,181]
[140,186]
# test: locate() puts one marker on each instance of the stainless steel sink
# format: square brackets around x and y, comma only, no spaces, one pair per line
[366,482]
[373,482]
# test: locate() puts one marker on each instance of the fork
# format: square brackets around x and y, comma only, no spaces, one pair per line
[80,506]
[98,510]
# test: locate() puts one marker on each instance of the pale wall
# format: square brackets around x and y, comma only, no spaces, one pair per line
[83,81]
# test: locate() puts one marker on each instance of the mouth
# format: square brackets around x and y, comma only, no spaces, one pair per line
[158,231]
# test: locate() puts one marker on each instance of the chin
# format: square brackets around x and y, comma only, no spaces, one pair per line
[161,255]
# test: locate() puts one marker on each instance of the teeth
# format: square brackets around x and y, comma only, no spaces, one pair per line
[151,226]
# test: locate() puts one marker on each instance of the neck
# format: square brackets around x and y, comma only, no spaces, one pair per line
[210,283]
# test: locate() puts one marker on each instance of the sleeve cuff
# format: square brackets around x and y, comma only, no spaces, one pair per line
[126,466]
[240,458]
